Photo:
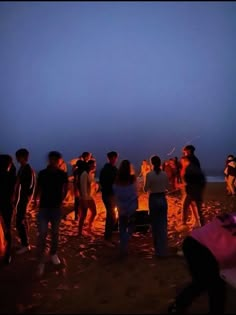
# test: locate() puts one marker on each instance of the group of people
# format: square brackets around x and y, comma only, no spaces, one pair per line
[119,191]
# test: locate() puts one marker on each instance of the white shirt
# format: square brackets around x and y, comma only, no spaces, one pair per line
[156,183]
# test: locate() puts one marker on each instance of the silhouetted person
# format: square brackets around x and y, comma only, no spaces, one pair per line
[81,166]
[52,186]
[230,172]
[87,190]
[25,185]
[7,184]
[157,184]
[107,179]
[189,150]
[125,191]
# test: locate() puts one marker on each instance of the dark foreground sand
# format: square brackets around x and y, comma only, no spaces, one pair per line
[93,280]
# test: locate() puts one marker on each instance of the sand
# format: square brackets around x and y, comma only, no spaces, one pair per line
[93,280]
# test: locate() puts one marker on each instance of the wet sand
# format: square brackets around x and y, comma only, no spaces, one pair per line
[93,280]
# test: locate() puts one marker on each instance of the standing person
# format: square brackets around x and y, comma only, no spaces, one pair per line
[230,172]
[207,250]
[87,190]
[178,167]
[51,189]
[125,191]
[189,150]
[107,178]
[157,184]
[25,185]
[62,165]
[195,183]
[81,166]
[7,184]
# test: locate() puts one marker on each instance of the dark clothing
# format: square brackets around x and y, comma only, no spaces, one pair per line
[26,180]
[195,180]
[194,160]
[110,204]
[21,220]
[50,183]
[44,217]
[205,274]
[7,184]
[107,178]
[158,216]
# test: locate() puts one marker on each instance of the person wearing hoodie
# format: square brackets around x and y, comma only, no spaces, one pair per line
[107,178]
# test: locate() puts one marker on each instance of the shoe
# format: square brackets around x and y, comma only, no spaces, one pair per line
[23,250]
[41,268]
[55,259]
[182,228]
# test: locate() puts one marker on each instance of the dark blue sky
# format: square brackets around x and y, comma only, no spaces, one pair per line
[136,77]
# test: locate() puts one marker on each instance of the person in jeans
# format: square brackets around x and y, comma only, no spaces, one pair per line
[125,191]
[52,186]
[7,184]
[208,250]
[25,186]
[107,179]
[157,184]
[87,189]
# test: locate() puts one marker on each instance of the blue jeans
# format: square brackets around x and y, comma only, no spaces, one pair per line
[45,216]
[158,216]
[126,229]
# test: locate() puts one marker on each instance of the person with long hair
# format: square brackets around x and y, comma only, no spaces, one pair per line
[157,185]
[126,197]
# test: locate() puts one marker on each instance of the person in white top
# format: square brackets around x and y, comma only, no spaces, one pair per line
[157,184]
[88,189]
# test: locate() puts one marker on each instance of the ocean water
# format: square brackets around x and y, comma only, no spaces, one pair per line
[215,179]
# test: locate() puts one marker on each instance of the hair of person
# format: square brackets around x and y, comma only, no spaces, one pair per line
[124,176]
[22,153]
[54,155]
[112,154]
[190,148]
[85,155]
[5,161]
[156,162]
[90,162]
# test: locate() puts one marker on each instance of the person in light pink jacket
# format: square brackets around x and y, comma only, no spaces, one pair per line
[208,250]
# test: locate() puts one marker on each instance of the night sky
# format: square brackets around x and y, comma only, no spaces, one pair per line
[137,77]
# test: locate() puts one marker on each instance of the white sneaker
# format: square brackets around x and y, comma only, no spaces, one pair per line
[41,268]
[55,259]
[23,250]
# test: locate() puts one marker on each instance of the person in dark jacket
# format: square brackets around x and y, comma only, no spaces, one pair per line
[189,150]
[107,178]
[25,186]
[7,184]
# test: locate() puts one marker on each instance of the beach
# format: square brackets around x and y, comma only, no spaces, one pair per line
[92,278]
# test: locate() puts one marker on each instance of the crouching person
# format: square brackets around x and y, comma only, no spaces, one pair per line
[207,250]
[52,186]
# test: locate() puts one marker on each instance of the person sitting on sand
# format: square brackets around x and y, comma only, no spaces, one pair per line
[157,185]
[7,184]
[195,182]
[87,190]
[207,250]
[52,186]
[126,196]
